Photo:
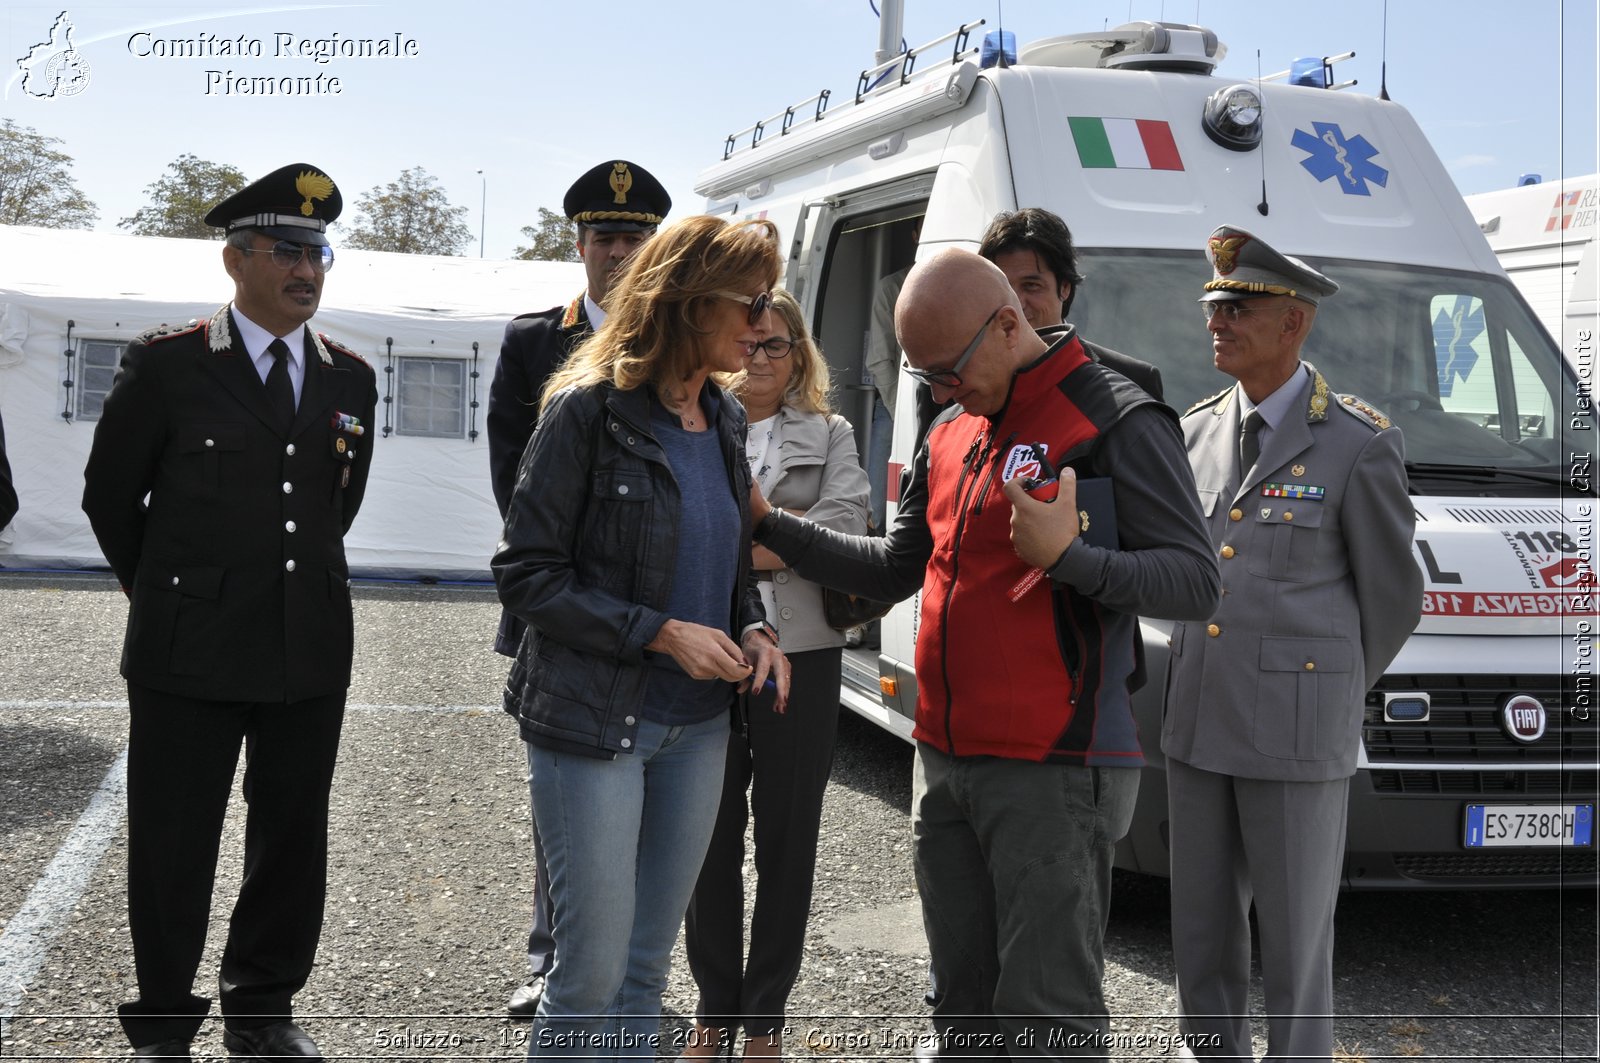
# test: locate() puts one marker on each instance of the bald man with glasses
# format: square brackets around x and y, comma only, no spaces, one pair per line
[227,466]
[1027,755]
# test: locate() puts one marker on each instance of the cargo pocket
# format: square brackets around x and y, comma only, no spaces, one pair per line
[196,628]
[210,452]
[1283,542]
[1304,701]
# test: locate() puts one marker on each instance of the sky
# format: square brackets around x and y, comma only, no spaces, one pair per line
[506,103]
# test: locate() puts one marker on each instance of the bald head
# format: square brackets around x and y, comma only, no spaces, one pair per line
[945,302]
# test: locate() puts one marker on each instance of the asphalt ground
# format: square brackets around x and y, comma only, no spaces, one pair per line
[428,894]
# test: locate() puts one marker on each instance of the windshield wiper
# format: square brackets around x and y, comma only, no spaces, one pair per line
[1490,474]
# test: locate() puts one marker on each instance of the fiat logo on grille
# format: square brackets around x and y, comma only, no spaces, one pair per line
[1523,718]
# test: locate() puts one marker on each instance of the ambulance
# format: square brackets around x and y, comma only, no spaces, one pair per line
[1544,235]
[1479,759]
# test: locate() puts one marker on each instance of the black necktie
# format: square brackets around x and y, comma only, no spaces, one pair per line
[1250,440]
[280,390]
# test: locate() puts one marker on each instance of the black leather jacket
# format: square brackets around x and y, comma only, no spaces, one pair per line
[586,560]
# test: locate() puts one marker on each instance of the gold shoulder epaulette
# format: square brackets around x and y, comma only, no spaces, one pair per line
[1364,412]
[1208,400]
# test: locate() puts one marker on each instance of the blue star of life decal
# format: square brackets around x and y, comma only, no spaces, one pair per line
[1453,333]
[1331,154]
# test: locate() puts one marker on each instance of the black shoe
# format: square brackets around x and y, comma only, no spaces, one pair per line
[173,1049]
[278,1040]
[525,1001]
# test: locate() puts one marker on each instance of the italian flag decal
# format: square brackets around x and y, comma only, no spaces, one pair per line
[1125,144]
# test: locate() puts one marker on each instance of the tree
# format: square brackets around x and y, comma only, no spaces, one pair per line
[180,199]
[36,186]
[412,216]
[554,239]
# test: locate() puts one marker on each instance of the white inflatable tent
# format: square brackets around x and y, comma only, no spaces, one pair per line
[429,512]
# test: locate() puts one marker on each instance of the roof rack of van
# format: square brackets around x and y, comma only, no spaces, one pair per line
[869,83]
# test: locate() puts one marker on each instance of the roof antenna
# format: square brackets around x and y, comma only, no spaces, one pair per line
[1000,27]
[1262,96]
[1383,77]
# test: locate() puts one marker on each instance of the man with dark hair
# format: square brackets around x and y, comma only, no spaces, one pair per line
[616,207]
[1033,248]
[1027,755]
[227,466]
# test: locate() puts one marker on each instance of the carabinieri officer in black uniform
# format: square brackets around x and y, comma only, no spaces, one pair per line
[250,434]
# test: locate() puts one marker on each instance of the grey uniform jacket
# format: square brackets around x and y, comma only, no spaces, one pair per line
[821,477]
[1320,589]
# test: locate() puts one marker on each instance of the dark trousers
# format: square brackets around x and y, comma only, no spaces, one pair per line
[784,760]
[182,754]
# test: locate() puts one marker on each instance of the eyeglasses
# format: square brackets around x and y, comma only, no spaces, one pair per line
[773,347]
[951,378]
[1232,310]
[287,255]
[758,303]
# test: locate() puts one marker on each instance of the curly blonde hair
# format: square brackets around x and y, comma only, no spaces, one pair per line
[656,307]
[810,388]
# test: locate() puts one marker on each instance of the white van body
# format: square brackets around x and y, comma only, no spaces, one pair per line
[1426,326]
[1544,236]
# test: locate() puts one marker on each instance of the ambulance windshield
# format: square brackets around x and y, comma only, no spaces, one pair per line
[1455,359]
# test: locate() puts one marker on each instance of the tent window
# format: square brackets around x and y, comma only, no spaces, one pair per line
[432,397]
[97,368]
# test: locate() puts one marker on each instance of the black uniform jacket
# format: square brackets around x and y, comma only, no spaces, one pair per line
[532,350]
[235,565]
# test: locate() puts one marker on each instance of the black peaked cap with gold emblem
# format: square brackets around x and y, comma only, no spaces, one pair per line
[617,196]
[294,203]
[1245,266]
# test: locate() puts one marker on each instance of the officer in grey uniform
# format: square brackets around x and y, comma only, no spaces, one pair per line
[1304,493]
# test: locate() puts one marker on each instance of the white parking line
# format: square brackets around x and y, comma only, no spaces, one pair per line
[27,936]
[45,911]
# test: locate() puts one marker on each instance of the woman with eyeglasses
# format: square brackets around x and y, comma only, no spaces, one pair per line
[627,552]
[803,456]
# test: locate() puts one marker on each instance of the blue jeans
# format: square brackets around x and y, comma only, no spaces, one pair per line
[623,841]
[1013,861]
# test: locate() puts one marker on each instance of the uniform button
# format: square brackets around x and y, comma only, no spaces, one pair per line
[1227,552]
[787,614]
[288,488]
[622,489]
[1236,514]
[781,577]
[174,581]
[1311,666]
[630,720]
[288,566]
[1213,630]
[1288,515]
[288,526]
[627,743]
[211,442]
[289,450]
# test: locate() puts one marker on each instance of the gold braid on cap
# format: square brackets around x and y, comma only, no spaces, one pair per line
[1258,287]
[588,216]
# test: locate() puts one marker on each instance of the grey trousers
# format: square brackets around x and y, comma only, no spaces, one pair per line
[1280,844]
[1013,860]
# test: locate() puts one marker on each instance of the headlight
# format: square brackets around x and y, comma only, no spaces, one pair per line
[1233,117]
